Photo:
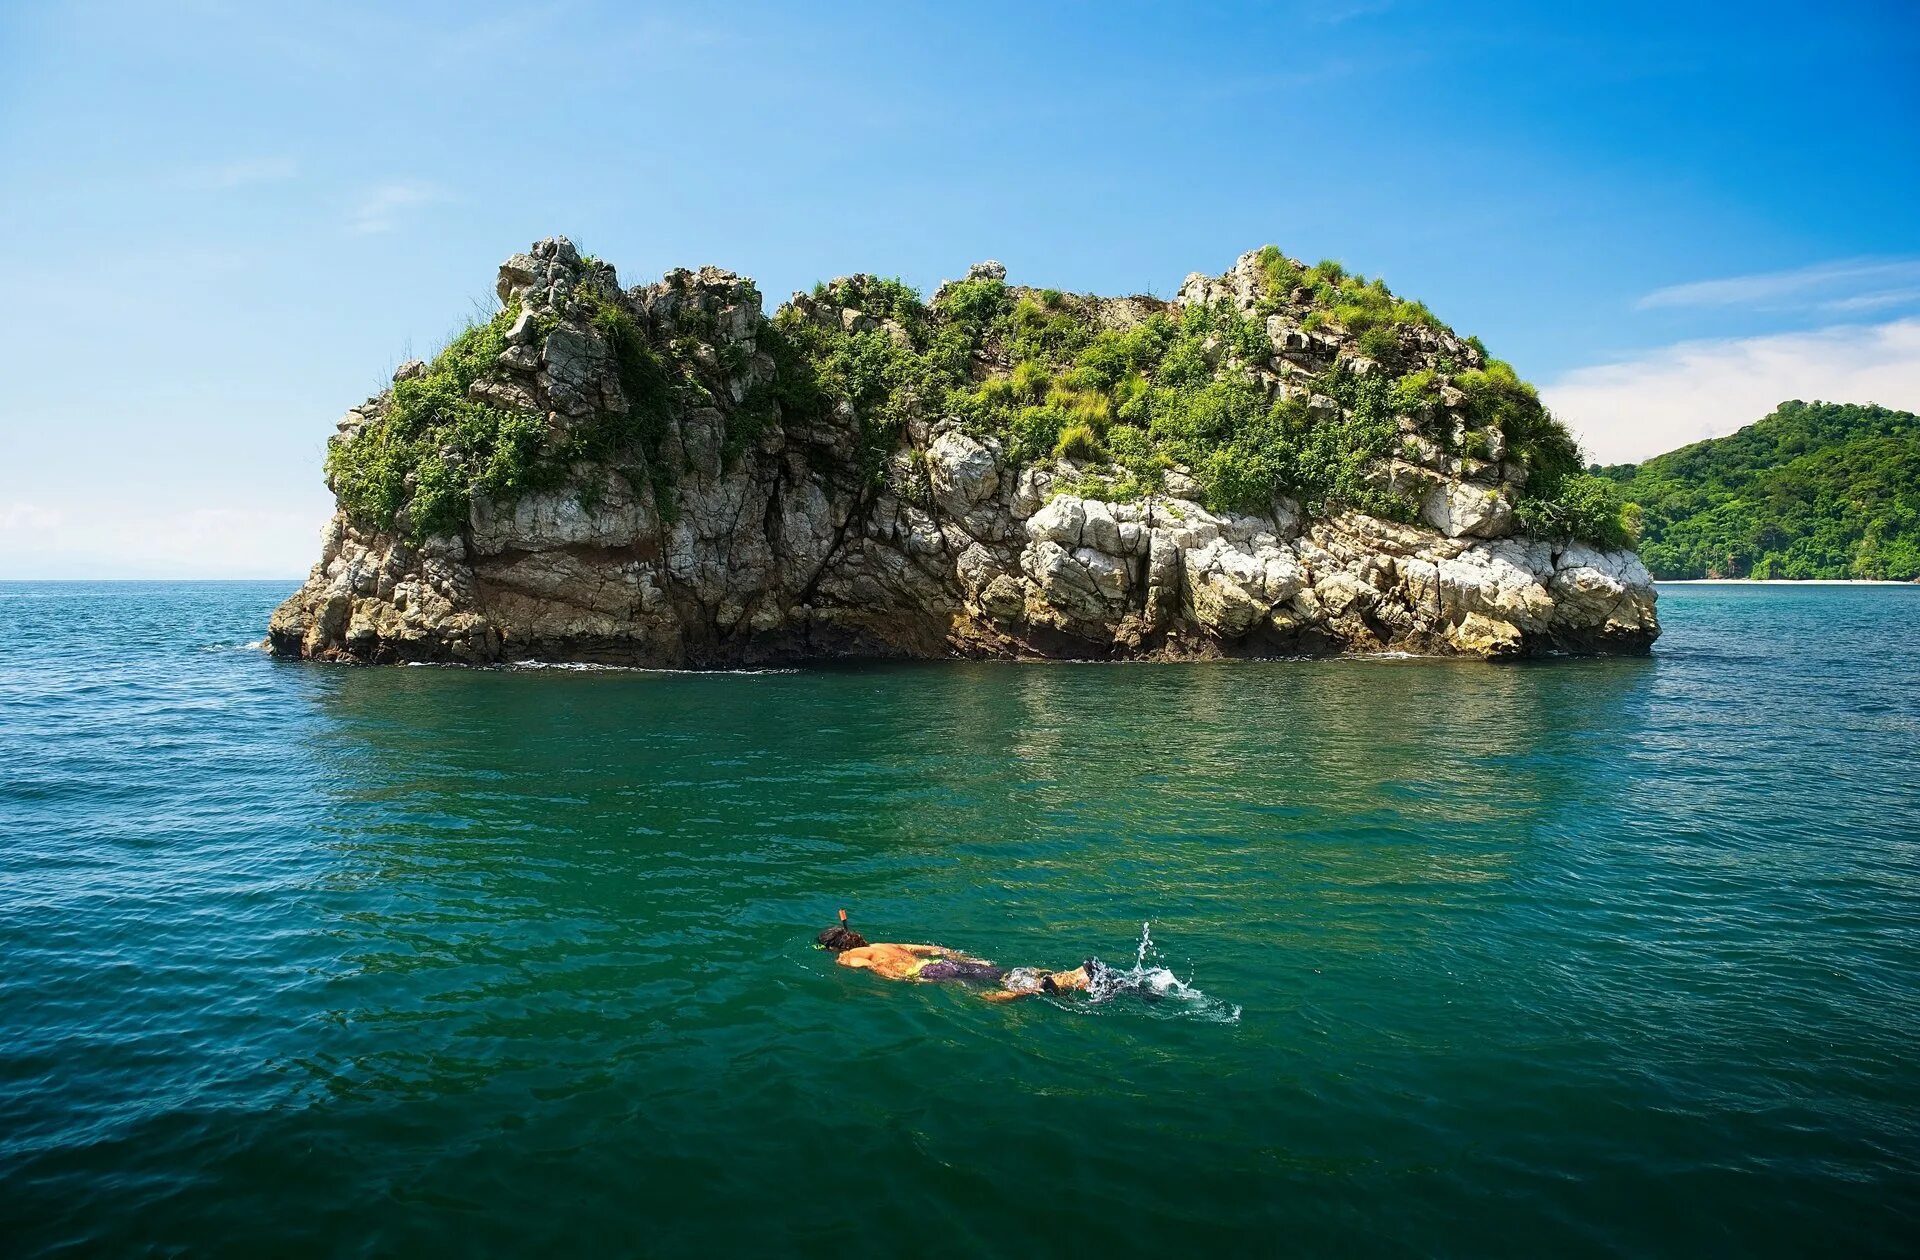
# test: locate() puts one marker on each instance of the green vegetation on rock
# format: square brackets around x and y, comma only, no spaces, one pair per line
[1814,490]
[417,464]
[433,446]
[1560,501]
[1321,386]
[1128,401]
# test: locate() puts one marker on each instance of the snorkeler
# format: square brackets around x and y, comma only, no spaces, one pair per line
[935,963]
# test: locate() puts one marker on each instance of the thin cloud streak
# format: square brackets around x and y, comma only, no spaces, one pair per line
[1820,286]
[1683,393]
[1871,301]
[380,208]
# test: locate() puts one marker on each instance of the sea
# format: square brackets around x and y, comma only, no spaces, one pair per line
[1614,957]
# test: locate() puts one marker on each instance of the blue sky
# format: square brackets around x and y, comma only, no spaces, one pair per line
[225,223]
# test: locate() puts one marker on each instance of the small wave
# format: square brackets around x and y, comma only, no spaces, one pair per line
[258,645]
[1150,981]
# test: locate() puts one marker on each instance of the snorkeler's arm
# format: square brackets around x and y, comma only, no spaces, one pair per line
[1001,995]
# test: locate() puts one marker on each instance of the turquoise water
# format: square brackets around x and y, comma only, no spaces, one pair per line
[1579,958]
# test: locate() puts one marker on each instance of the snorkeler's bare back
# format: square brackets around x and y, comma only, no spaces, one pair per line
[896,962]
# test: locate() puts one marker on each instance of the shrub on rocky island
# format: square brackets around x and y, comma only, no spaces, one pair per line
[1276,381]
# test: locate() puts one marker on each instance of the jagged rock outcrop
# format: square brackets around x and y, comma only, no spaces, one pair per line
[741,515]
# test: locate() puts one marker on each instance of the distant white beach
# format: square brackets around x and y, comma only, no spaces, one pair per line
[1778,582]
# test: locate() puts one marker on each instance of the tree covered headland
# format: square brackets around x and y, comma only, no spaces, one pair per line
[1814,490]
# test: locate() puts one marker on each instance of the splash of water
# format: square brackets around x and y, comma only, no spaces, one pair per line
[1150,981]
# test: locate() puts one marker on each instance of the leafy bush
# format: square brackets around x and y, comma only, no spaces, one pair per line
[1034,433]
[1279,277]
[1031,380]
[1192,388]
[1415,392]
[1379,343]
[976,304]
[1078,442]
[1580,506]
[1497,398]
[877,296]
[1165,391]
[1326,272]
[1085,407]
[643,379]
[418,464]
[1048,328]
[886,382]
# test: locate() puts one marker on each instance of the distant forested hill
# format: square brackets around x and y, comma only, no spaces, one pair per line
[1815,490]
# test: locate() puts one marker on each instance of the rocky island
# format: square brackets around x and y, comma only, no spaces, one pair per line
[1282,460]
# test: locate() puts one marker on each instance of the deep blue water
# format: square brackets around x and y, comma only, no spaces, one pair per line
[1613,957]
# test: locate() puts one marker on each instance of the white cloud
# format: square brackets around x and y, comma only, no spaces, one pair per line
[379,208]
[23,519]
[1871,301]
[221,176]
[1700,389]
[1831,286]
[111,541]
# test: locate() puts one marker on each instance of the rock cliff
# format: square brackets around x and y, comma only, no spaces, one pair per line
[1280,460]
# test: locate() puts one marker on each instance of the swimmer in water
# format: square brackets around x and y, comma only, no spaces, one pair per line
[934,963]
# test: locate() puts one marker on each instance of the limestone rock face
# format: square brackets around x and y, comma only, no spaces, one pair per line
[1466,509]
[770,542]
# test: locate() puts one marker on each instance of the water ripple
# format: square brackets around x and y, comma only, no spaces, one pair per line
[1611,957]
